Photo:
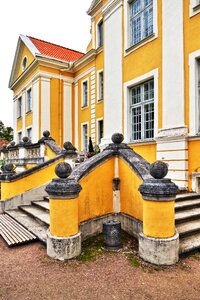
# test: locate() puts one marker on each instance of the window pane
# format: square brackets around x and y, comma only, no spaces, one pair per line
[136,124]
[149,90]
[148,22]
[136,30]
[100,85]
[148,2]
[100,33]
[149,121]
[85,137]
[85,93]
[136,95]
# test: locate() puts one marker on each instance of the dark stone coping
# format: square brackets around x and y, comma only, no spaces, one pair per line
[138,164]
[53,146]
[14,177]
[87,166]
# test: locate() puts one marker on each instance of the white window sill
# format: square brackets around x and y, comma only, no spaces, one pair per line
[84,107]
[143,42]
[194,10]
[142,142]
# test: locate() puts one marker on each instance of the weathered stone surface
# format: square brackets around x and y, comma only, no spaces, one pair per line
[158,189]
[159,251]
[63,248]
[158,169]
[61,188]
[117,138]
[112,234]
[63,170]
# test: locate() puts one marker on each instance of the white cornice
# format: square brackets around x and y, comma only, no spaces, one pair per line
[111,7]
[93,5]
[84,60]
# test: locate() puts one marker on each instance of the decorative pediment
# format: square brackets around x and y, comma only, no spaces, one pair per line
[93,6]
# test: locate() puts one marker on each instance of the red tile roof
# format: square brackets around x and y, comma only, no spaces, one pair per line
[56,51]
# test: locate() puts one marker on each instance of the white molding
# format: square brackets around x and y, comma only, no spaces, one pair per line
[29,44]
[194,107]
[127,45]
[44,75]
[172,64]
[76,121]
[84,123]
[113,69]
[97,131]
[88,89]
[110,8]
[77,78]
[67,111]
[127,85]
[45,105]
[194,8]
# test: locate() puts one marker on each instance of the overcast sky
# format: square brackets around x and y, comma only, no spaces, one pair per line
[63,22]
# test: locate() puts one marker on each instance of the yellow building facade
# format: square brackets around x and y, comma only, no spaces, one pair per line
[140,76]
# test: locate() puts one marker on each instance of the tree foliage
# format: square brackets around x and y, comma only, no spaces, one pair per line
[6,132]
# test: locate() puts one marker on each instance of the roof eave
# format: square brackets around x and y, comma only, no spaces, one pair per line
[92,7]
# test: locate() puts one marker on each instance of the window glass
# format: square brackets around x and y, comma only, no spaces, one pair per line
[100,85]
[100,34]
[85,137]
[142,111]
[19,107]
[29,100]
[85,93]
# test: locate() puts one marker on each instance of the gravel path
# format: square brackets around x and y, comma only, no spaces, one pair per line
[27,273]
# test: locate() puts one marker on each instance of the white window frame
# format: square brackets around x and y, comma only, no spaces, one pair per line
[27,129]
[82,93]
[18,133]
[97,126]
[29,109]
[194,7]
[99,98]
[127,86]
[97,33]
[130,48]
[21,110]
[82,142]
[193,88]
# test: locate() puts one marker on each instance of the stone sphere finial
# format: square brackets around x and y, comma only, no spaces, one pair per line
[9,168]
[46,133]
[117,138]
[68,146]
[12,143]
[25,139]
[63,170]
[158,169]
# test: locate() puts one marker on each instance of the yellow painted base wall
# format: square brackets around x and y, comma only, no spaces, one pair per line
[147,151]
[96,197]
[14,188]
[63,217]
[193,159]
[131,199]
[159,221]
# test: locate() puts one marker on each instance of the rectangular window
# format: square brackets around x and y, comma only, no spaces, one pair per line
[29,134]
[100,34]
[84,93]
[85,137]
[29,100]
[100,131]
[100,81]
[19,136]
[142,111]
[141,20]
[198,90]
[19,107]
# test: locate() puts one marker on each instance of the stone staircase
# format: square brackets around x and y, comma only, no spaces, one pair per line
[35,217]
[187,220]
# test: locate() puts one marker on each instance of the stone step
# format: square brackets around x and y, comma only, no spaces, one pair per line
[38,229]
[187,228]
[39,213]
[189,243]
[187,215]
[44,204]
[187,196]
[187,204]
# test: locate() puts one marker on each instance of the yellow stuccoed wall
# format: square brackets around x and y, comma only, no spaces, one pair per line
[49,153]
[158,219]
[30,58]
[29,119]
[131,199]
[14,188]
[193,159]
[96,197]
[63,217]
[147,151]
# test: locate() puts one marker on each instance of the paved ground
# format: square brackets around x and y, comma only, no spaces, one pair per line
[27,273]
